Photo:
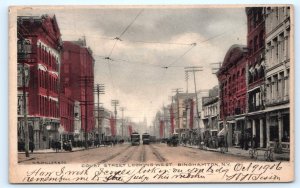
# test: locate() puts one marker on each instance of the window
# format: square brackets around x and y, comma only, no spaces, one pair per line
[281,47]
[282,85]
[275,94]
[276,50]
[269,53]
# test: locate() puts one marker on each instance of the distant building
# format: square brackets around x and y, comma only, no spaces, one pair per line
[102,128]
[39,50]
[278,47]
[210,112]
[185,123]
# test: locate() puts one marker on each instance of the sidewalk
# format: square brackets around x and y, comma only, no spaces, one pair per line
[245,153]
[74,149]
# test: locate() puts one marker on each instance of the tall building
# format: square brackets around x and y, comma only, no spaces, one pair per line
[232,94]
[278,47]
[39,51]
[77,79]
[185,103]
[256,121]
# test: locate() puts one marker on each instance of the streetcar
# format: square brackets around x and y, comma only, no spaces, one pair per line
[146,138]
[135,138]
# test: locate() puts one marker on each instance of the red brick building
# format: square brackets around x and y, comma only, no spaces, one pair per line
[41,58]
[77,80]
[232,93]
[256,120]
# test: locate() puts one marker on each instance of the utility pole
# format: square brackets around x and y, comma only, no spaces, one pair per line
[195,69]
[177,91]
[99,89]
[187,81]
[122,109]
[86,80]
[22,57]
[115,103]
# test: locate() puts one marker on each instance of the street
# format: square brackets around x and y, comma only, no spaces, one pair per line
[125,153]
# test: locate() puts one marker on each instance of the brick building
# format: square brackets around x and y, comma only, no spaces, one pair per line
[77,82]
[41,58]
[232,94]
[256,120]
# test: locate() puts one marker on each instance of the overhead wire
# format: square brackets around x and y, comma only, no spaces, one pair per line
[124,31]
[131,23]
[116,39]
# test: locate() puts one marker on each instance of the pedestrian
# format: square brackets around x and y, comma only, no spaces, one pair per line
[70,145]
[31,146]
[57,146]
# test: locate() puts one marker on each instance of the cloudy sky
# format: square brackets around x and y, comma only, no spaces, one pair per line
[152,38]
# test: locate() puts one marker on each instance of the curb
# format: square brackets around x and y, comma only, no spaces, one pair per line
[64,150]
[279,158]
[29,159]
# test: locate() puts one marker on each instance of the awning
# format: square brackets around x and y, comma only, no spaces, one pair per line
[222,132]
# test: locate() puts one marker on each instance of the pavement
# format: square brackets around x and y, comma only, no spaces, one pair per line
[236,153]
[47,151]
[245,153]
[74,149]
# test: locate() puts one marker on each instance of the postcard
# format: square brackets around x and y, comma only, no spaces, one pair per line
[151,94]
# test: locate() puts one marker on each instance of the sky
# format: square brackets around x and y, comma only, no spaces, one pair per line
[151,38]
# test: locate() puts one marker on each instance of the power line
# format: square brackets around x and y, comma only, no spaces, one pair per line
[157,42]
[194,44]
[127,61]
[131,23]
[113,48]
[119,37]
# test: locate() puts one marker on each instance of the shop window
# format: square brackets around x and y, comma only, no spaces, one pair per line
[286,128]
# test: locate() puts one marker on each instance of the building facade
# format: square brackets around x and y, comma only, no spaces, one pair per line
[256,121]
[185,114]
[77,81]
[232,94]
[39,51]
[210,112]
[278,47]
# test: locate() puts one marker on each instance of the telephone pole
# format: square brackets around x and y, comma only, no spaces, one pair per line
[187,81]
[87,81]
[177,91]
[195,69]
[122,109]
[22,53]
[115,103]
[99,89]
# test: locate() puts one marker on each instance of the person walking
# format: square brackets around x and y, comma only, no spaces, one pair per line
[31,146]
